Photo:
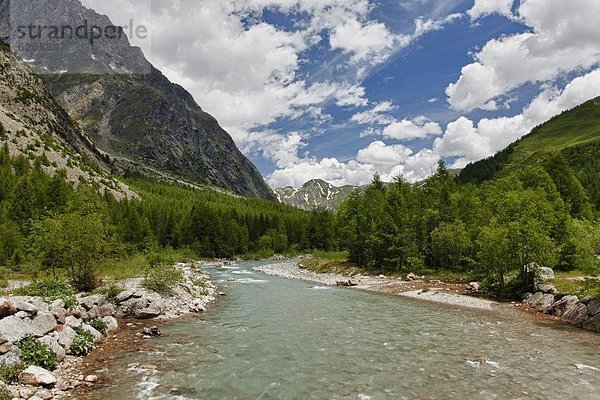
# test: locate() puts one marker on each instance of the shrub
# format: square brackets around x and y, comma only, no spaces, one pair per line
[34,352]
[10,373]
[162,278]
[49,288]
[83,343]
[99,325]
[70,302]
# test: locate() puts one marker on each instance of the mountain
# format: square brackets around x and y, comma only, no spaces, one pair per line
[315,194]
[34,125]
[142,121]
[574,134]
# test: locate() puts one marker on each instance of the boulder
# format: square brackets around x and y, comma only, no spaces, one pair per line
[594,307]
[65,336]
[42,324]
[106,310]
[111,323]
[58,303]
[593,323]
[5,348]
[125,295]
[26,393]
[97,335]
[90,301]
[412,277]
[14,329]
[153,331]
[11,357]
[474,286]
[73,322]
[37,376]
[349,283]
[55,346]
[546,288]
[6,308]
[540,301]
[147,313]
[559,307]
[91,378]
[22,315]
[576,314]
[39,304]
[544,273]
[59,314]
[43,394]
[26,307]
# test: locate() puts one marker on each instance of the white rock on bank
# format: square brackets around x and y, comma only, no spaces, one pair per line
[37,376]
[14,329]
[43,324]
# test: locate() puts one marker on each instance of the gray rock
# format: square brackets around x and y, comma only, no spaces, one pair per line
[540,301]
[147,313]
[594,307]
[576,314]
[44,394]
[544,273]
[106,310]
[593,323]
[91,378]
[26,393]
[11,357]
[59,314]
[73,322]
[39,304]
[14,329]
[6,308]
[22,315]
[55,346]
[90,301]
[59,303]
[65,336]
[35,398]
[125,295]
[97,335]
[27,307]
[547,288]
[111,323]
[37,376]
[560,306]
[5,347]
[43,323]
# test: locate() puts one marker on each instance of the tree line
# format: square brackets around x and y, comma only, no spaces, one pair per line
[533,215]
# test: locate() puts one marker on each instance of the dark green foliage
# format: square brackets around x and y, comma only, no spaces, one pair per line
[83,343]
[36,353]
[99,325]
[9,374]
[162,278]
[48,288]
[492,232]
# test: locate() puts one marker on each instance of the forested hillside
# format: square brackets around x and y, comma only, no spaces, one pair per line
[49,226]
[575,134]
[494,231]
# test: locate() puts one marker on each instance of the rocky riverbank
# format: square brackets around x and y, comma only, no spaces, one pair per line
[582,312]
[64,328]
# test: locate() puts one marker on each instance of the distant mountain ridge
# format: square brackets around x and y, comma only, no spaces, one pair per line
[144,123]
[315,194]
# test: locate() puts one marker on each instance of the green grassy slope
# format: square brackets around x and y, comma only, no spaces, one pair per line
[569,133]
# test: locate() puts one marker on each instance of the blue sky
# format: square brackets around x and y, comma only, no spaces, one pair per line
[341,89]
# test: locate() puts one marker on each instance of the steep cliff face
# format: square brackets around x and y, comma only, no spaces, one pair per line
[34,125]
[143,122]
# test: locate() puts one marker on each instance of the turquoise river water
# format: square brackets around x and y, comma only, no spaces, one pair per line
[272,338]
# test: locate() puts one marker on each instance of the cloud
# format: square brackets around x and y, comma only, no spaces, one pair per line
[482,8]
[376,115]
[472,142]
[378,153]
[563,38]
[406,129]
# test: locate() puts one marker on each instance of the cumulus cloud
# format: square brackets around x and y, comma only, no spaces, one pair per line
[486,7]
[563,38]
[472,142]
[378,153]
[406,129]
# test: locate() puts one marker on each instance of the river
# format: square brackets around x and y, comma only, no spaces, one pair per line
[272,338]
